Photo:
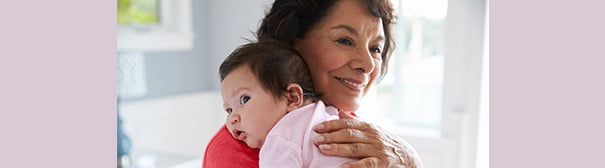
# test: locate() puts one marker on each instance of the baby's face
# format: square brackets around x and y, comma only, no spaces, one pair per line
[252,111]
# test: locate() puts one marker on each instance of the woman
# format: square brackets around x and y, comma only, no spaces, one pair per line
[346,44]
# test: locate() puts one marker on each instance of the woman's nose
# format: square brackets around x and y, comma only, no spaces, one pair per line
[363,62]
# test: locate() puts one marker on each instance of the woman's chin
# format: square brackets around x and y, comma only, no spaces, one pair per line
[344,103]
[348,106]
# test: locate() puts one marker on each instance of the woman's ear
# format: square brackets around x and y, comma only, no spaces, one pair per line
[294,96]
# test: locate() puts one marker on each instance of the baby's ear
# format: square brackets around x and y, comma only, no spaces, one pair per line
[294,96]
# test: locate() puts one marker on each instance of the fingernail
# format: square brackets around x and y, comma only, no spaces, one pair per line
[346,166]
[325,147]
[318,139]
[319,126]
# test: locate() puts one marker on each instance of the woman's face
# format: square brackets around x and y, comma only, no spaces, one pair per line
[343,52]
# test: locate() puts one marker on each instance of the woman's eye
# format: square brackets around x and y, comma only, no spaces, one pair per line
[345,41]
[375,50]
[229,110]
[244,99]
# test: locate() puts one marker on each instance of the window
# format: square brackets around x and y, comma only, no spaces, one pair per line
[138,12]
[431,94]
[410,95]
[155,25]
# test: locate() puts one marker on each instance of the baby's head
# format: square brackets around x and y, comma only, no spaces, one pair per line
[260,83]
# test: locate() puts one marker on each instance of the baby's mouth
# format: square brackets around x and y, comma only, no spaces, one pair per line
[239,135]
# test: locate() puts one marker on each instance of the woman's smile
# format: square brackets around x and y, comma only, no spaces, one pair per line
[352,83]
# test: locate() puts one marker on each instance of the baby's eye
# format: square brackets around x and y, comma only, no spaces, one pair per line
[345,41]
[244,99]
[229,110]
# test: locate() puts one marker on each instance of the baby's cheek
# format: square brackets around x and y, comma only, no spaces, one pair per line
[257,144]
[229,128]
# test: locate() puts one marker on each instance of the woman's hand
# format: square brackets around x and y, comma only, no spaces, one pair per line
[350,137]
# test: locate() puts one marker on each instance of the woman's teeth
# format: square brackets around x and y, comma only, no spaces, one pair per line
[351,83]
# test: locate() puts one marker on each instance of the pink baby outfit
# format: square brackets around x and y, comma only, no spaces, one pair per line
[290,142]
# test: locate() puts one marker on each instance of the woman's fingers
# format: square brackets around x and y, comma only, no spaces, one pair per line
[359,139]
[370,156]
[333,125]
[368,162]
[354,150]
[345,136]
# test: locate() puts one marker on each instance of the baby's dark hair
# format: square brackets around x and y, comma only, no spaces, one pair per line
[275,64]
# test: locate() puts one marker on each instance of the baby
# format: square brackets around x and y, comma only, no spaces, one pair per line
[271,104]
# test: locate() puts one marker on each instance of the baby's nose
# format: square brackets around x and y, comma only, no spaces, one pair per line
[233,118]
